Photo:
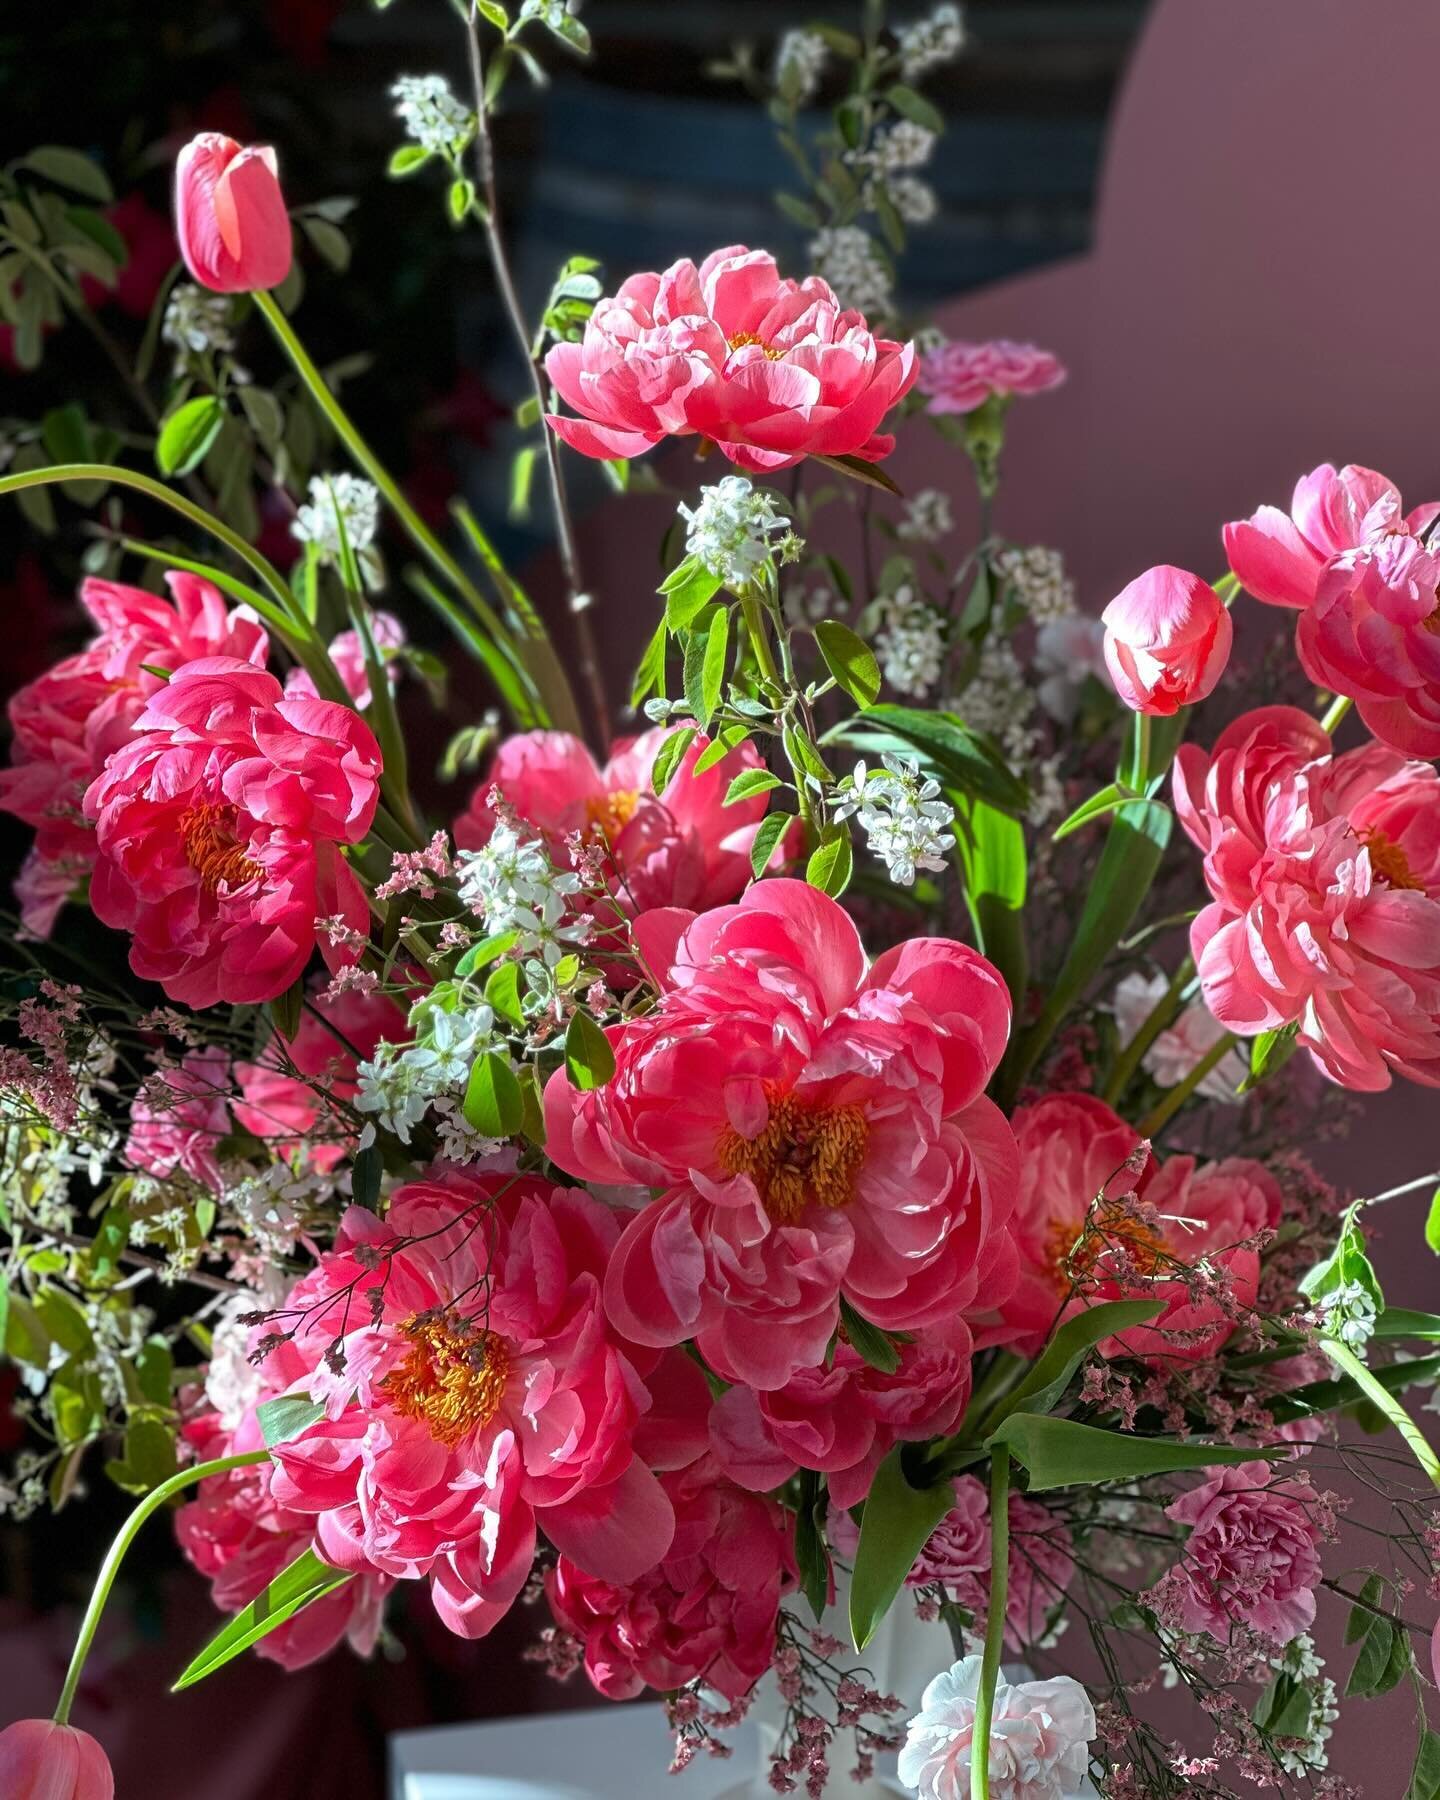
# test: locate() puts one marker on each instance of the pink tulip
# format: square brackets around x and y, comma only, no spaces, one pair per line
[230,215]
[1167,640]
[40,1760]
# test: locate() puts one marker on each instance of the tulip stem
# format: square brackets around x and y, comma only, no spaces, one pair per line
[1335,712]
[1164,1110]
[994,1623]
[110,1568]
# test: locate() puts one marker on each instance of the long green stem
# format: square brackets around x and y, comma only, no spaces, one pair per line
[753,612]
[1160,1116]
[110,1568]
[1335,712]
[994,1623]
[1345,1358]
[1161,1015]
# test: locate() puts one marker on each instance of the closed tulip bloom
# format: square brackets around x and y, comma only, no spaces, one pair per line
[40,1760]
[230,215]
[1167,640]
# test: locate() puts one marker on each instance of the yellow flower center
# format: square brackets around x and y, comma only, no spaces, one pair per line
[609,814]
[213,849]
[1389,862]
[453,1376]
[741,339]
[806,1156]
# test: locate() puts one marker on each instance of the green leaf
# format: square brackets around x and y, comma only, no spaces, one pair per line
[71,169]
[799,212]
[187,435]
[748,783]
[771,829]
[407,159]
[896,1527]
[328,241]
[687,588]
[1362,1617]
[287,1009]
[64,1320]
[478,956]
[306,1579]
[850,660]
[1269,1052]
[287,1418]
[495,13]
[832,862]
[493,1104]
[462,195]
[502,992]
[669,755]
[589,1060]
[365,1173]
[1069,1344]
[916,108]
[803,754]
[522,476]
[149,1457]
[705,674]
[1373,1661]
[112,1238]
[1432,1223]
[1425,1781]
[811,1558]
[947,749]
[868,474]
[720,747]
[1060,1453]
[650,675]
[869,1342]
[1402,1322]
[155,1371]
[990,848]
[1109,799]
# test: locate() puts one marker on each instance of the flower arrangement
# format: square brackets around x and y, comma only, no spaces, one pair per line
[712,1184]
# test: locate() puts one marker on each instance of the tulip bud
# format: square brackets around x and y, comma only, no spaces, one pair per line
[40,1760]
[1167,640]
[230,215]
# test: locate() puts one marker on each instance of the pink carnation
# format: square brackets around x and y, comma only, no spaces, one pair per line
[843,1417]
[1038,1571]
[178,1119]
[684,847]
[1252,1557]
[1325,877]
[820,1130]
[771,371]
[1040,1733]
[218,829]
[707,1609]
[959,377]
[472,1388]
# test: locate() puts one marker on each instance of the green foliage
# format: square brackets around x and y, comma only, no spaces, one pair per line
[307,1579]
[894,1529]
[1060,1453]
[589,1060]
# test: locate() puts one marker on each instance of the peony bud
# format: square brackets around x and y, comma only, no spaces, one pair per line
[1167,640]
[40,1760]
[230,215]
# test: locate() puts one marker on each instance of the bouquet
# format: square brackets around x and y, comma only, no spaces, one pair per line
[833,1150]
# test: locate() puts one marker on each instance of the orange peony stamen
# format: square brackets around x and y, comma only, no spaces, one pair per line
[452,1379]
[805,1156]
[1389,862]
[740,340]
[214,851]
[609,814]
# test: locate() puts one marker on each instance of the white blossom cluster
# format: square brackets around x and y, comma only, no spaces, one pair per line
[1300,1660]
[903,145]
[911,644]
[996,698]
[1348,1313]
[196,321]
[432,115]
[400,1083]
[1038,577]
[915,200]
[272,1204]
[902,814]
[799,64]
[730,531]
[845,256]
[549,12]
[803,604]
[930,42]
[512,885]
[334,498]
[927,517]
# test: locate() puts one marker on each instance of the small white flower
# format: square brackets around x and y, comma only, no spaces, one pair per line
[432,115]
[997,698]
[911,644]
[1348,1313]
[394,1090]
[511,884]
[930,42]
[846,257]
[460,1142]
[902,815]
[799,64]
[196,321]
[927,517]
[905,145]
[915,200]
[730,530]
[1038,578]
[334,498]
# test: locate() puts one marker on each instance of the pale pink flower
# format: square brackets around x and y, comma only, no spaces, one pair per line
[43,886]
[819,1128]
[683,847]
[1039,1568]
[218,829]
[472,1389]
[178,1119]
[1252,1557]
[1325,874]
[1279,557]
[1040,1733]
[707,1609]
[1167,640]
[230,215]
[40,1760]
[1181,1045]
[770,371]
[959,377]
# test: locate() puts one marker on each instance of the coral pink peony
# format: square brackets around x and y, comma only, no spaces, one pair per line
[684,847]
[1373,632]
[771,371]
[218,829]
[230,215]
[821,1130]
[472,1388]
[709,1606]
[843,1417]
[1279,557]
[1167,640]
[1040,1733]
[179,1117]
[959,377]
[1325,877]
[1252,1557]
[40,1760]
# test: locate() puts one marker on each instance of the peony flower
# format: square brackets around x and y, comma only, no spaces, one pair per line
[684,847]
[230,215]
[770,371]
[1167,640]
[1181,1045]
[348,655]
[40,1760]
[843,1417]
[820,1130]
[1252,1557]
[472,1389]
[709,1606]
[1039,1568]
[1325,878]
[218,829]
[959,377]
[179,1117]
[1279,557]
[1040,1733]
[1373,632]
